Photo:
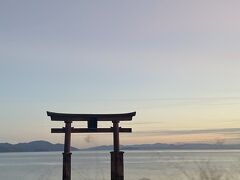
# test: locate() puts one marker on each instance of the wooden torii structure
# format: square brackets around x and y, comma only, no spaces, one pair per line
[117,167]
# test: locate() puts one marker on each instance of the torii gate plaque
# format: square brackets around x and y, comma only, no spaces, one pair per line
[117,168]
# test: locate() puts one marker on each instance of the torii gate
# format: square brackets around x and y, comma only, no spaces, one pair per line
[117,168]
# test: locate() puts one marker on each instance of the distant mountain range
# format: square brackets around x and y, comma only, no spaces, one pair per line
[161,146]
[34,146]
[41,146]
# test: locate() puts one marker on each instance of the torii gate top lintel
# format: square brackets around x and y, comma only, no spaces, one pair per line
[86,117]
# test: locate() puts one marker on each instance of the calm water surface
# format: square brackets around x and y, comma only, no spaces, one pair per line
[144,165]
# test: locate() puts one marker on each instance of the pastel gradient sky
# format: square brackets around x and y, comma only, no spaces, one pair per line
[177,63]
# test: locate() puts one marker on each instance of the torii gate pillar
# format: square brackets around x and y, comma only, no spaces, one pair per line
[67,154]
[117,167]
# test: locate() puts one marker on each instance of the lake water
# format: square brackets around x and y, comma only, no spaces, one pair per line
[144,165]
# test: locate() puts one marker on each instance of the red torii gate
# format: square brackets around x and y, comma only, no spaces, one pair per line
[117,168]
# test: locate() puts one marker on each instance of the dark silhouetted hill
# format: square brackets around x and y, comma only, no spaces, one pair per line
[34,146]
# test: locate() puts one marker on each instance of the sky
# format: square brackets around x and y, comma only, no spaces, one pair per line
[176,63]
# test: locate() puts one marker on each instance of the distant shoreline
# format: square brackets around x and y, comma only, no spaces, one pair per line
[45,146]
